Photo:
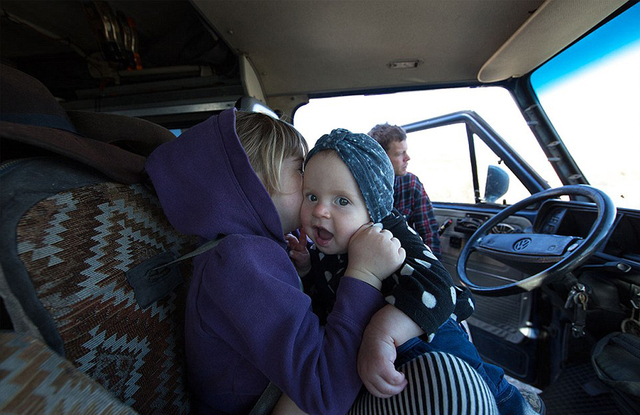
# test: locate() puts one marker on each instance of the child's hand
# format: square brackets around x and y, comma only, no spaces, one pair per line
[375,364]
[299,253]
[374,253]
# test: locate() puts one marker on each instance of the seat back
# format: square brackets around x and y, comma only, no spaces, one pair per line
[67,243]
[69,232]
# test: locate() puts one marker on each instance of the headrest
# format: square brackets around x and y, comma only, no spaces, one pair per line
[113,144]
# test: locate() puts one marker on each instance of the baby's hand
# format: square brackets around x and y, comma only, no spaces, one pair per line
[299,253]
[375,364]
[374,253]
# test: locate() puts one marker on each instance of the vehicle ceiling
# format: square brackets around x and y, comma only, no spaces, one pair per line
[190,50]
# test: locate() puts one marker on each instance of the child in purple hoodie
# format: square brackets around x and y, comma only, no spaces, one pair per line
[248,323]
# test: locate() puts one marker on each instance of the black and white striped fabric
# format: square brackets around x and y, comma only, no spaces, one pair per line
[439,384]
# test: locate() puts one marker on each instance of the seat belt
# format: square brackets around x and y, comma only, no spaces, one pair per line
[202,248]
[267,400]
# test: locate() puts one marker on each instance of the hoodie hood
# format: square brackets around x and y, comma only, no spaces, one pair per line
[207,186]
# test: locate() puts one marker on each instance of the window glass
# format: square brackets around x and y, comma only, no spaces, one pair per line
[442,152]
[590,92]
[446,154]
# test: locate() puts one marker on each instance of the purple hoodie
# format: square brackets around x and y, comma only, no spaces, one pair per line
[247,322]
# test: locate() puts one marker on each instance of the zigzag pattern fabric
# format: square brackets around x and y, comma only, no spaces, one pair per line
[77,246]
[30,368]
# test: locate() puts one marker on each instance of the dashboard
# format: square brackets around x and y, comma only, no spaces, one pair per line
[576,218]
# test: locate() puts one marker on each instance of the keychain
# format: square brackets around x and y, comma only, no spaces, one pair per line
[632,325]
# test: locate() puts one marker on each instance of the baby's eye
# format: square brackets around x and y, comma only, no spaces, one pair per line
[312,198]
[343,201]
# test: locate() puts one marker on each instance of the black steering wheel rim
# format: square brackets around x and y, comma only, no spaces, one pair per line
[599,230]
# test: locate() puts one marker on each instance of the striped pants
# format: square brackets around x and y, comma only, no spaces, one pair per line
[439,384]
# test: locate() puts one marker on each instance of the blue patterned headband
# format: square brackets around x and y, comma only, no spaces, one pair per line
[369,164]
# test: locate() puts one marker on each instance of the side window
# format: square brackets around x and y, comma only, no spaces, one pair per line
[441,158]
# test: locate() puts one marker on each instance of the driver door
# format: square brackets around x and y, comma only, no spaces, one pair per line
[470,173]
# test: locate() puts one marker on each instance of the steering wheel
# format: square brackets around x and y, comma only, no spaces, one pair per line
[535,250]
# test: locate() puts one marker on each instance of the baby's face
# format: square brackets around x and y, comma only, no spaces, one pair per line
[332,207]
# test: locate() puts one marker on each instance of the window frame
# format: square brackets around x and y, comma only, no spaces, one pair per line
[478,127]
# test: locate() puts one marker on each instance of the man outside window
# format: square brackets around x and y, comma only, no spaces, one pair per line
[409,195]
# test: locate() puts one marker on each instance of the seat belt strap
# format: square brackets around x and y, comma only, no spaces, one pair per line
[202,248]
[267,400]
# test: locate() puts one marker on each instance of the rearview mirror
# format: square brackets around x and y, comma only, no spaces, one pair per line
[497,184]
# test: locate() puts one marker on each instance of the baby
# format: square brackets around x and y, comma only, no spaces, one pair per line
[348,182]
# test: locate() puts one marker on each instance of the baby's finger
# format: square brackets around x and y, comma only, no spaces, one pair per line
[392,376]
[291,239]
[402,253]
[382,389]
[296,255]
[295,244]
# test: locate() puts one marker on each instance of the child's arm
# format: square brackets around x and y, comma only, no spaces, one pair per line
[421,289]
[388,329]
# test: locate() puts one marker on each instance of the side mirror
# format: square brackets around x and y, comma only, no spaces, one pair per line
[497,184]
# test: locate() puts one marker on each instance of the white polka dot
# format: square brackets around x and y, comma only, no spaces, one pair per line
[391,300]
[396,278]
[406,270]
[473,306]
[427,252]
[429,300]
[423,263]
[412,230]
[454,297]
[327,275]
[454,317]
[320,255]
[430,337]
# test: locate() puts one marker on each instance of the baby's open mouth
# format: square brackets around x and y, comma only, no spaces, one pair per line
[323,236]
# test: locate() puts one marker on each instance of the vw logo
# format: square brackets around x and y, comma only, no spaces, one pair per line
[521,244]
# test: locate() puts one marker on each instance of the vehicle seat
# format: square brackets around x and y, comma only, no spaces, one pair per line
[39,381]
[74,220]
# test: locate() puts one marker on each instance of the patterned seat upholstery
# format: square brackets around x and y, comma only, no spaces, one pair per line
[68,236]
[76,216]
[36,380]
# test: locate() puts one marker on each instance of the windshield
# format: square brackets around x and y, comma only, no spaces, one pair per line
[434,152]
[591,94]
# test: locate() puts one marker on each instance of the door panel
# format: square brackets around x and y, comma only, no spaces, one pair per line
[501,327]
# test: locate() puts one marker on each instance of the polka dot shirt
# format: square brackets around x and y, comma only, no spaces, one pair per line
[421,288]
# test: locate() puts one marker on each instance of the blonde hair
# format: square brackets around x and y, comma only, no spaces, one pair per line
[267,142]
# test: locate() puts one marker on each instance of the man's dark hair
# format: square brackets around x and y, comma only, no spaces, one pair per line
[385,134]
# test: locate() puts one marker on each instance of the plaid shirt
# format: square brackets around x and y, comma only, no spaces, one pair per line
[412,201]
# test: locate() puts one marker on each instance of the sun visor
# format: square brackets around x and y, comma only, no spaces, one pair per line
[543,35]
